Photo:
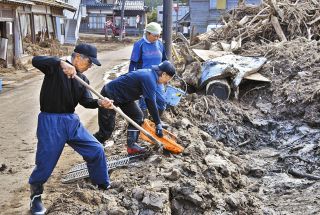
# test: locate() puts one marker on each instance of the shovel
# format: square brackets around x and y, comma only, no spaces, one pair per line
[118,110]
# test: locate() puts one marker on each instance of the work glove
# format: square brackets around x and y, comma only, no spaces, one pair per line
[159,132]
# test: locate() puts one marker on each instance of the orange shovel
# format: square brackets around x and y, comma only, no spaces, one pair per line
[168,140]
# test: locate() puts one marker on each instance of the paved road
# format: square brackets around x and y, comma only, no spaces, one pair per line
[18,121]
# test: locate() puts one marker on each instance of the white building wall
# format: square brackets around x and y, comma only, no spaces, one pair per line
[74,3]
[60,37]
[183,10]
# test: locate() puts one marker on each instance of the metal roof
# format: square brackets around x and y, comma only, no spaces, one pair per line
[55,3]
[130,5]
[101,6]
[20,2]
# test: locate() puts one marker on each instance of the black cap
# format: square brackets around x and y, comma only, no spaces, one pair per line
[166,67]
[89,51]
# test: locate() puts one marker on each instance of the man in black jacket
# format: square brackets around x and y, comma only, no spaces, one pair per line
[58,124]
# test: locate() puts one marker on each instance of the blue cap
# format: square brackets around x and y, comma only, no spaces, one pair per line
[166,67]
[89,51]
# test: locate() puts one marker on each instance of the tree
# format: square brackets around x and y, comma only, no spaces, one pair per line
[153,3]
[152,16]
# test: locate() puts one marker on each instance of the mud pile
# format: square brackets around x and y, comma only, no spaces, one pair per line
[206,177]
[293,68]
[46,47]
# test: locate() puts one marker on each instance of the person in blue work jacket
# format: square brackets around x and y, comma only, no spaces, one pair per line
[58,124]
[146,52]
[124,90]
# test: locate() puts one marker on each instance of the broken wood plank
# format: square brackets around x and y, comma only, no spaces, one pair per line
[300,174]
[209,54]
[4,83]
[314,21]
[277,28]
[244,20]
[273,3]
[257,77]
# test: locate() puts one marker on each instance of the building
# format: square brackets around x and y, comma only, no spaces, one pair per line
[28,21]
[208,12]
[176,14]
[134,16]
[70,23]
[10,34]
[99,12]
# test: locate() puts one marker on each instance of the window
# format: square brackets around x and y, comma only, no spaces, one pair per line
[117,20]
[96,22]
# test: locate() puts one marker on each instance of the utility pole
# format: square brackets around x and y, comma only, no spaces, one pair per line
[122,20]
[176,9]
[167,26]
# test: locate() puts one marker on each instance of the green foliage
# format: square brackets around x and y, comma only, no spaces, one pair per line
[152,16]
[153,3]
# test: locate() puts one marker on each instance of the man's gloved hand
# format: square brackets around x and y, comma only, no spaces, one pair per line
[159,130]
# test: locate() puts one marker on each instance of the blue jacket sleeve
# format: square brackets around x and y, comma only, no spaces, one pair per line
[153,110]
[132,66]
[45,64]
[149,91]
[135,55]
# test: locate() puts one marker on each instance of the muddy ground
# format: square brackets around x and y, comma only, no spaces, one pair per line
[255,155]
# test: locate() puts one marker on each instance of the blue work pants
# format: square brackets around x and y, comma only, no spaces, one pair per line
[54,130]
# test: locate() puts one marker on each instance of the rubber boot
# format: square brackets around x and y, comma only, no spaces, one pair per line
[132,146]
[36,206]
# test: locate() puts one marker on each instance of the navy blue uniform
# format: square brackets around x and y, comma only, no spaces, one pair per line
[58,124]
[144,55]
[124,91]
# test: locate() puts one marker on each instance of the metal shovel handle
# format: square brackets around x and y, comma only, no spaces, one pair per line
[118,110]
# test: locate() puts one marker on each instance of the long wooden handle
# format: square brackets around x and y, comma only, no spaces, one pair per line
[118,110]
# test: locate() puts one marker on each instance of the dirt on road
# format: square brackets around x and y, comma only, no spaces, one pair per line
[19,108]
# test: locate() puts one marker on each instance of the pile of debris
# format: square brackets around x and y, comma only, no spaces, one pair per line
[278,106]
[46,47]
[206,177]
[273,20]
